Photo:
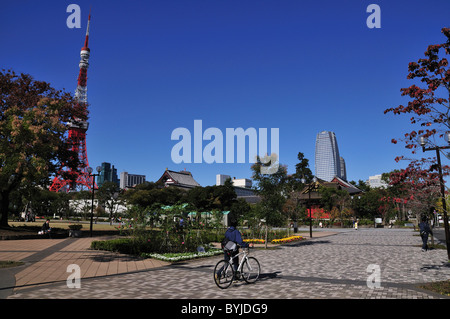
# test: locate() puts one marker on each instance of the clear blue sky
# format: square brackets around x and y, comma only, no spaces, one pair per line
[300,66]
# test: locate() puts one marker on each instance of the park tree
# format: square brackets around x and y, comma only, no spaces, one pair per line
[151,195]
[430,101]
[293,208]
[33,139]
[271,187]
[109,197]
[337,202]
[429,105]
[420,185]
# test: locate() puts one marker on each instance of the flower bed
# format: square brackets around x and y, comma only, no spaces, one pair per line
[275,241]
[182,256]
[287,239]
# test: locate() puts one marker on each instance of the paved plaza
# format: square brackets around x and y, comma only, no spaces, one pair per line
[342,264]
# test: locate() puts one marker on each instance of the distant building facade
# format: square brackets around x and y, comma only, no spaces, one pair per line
[107,174]
[376,182]
[343,169]
[130,180]
[221,179]
[238,182]
[242,187]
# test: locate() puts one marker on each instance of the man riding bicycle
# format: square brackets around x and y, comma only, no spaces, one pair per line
[234,235]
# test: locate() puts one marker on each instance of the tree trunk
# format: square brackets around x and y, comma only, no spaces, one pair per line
[4,208]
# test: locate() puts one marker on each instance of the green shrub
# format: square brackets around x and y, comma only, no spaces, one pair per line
[75,226]
[160,242]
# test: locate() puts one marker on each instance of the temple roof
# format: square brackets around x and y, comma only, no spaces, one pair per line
[182,179]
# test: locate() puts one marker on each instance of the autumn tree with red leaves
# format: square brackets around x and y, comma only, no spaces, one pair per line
[429,107]
[420,186]
[430,104]
[33,139]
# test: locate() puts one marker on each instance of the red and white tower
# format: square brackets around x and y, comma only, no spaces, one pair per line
[77,179]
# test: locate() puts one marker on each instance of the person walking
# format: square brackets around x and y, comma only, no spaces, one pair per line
[425,229]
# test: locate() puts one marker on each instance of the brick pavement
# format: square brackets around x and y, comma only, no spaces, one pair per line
[47,260]
[323,267]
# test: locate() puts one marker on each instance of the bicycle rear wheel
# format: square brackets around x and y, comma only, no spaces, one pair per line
[251,270]
[223,274]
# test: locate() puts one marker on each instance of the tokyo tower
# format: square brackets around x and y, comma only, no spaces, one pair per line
[77,179]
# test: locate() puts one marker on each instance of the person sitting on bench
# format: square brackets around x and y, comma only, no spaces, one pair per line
[46,229]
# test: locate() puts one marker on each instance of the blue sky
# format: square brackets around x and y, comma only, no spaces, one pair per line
[300,66]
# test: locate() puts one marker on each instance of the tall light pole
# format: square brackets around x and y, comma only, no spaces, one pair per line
[423,142]
[89,170]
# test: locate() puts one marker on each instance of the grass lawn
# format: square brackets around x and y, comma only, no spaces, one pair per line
[64,224]
[441,287]
[9,263]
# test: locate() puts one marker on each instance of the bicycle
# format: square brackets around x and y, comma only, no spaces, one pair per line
[248,269]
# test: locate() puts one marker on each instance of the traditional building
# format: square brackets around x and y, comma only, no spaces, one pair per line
[181,179]
[311,197]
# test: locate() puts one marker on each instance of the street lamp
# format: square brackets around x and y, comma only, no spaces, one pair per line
[89,170]
[423,142]
[309,202]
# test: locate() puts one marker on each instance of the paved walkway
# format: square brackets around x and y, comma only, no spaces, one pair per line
[47,260]
[333,265]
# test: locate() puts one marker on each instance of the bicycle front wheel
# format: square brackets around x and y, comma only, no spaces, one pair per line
[223,274]
[251,270]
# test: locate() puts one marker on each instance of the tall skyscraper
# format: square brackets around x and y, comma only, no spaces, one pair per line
[107,174]
[328,162]
[343,169]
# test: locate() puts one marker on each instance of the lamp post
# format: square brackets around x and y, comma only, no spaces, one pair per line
[309,202]
[89,170]
[423,142]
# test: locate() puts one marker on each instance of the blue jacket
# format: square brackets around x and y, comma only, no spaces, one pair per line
[235,235]
[425,228]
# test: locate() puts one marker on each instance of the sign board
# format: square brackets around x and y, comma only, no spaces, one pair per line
[378,220]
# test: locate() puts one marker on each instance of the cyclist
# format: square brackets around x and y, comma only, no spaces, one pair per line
[234,235]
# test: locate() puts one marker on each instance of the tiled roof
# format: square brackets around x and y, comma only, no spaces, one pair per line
[182,178]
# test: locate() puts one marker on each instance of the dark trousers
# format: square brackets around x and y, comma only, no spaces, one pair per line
[425,241]
[227,257]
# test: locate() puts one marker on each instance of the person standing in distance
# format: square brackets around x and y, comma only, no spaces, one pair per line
[425,229]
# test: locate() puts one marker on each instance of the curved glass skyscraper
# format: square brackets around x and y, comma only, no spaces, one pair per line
[328,162]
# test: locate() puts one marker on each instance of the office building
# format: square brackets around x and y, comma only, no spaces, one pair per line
[107,174]
[237,182]
[130,180]
[327,158]
[343,169]
[220,179]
